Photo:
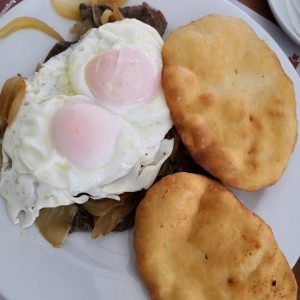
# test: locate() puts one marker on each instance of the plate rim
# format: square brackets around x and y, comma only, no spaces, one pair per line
[257,25]
[276,8]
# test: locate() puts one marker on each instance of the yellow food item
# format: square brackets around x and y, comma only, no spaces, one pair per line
[11,96]
[29,23]
[70,8]
[230,100]
[195,240]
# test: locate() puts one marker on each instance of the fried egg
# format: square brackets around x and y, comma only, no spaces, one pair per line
[92,123]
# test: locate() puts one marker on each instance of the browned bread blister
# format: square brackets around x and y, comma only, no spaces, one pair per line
[230,100]
[194,240]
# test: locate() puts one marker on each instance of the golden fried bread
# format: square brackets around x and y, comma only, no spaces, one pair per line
[230,100]
[194,240]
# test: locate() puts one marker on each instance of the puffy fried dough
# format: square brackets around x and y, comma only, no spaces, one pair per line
[194,240]
[231,102]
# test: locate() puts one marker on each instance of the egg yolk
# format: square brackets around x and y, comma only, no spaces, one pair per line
[85,134]
[123,77]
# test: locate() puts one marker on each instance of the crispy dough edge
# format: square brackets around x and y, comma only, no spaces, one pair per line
[160,188]
[208,155]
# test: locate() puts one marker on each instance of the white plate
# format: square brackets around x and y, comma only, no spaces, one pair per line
[105,268]
[282,16]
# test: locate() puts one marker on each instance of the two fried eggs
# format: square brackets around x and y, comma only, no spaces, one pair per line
[92,123]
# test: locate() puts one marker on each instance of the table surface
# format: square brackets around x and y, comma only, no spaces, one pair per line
[262,7]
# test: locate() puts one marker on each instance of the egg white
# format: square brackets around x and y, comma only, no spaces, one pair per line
[34,175]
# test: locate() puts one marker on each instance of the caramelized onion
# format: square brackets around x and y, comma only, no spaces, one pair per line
[55,223]
[106,16]
[29,23]
[100,208]
[105,224]
[11,97]
[78,29]
[108,213]
[96,20]
[20,92]
[114,15]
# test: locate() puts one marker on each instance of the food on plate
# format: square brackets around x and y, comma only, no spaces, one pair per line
[69,8]
[29,23]
[11,96]
[107,214]
[98,216]
[230,100]
[75,138]
[55,223]
[195,240]
[91,16]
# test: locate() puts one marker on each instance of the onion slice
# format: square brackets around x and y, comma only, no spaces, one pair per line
[20,92]
[11,96]
[117,16]
[29,23]
[108,213]
[105,224]
[111,15]
[105,16]
[54,223]
[95,18]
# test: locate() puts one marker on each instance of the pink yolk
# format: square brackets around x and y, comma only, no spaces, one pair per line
[123,77]
[85,134]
